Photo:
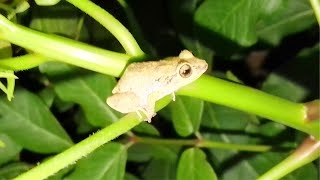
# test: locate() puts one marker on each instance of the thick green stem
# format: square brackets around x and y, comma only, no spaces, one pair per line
[253,101]
[111,24]
[203,143]
[81,149]
[306,153]
[64,49]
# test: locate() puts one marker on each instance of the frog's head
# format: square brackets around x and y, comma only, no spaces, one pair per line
[189,68]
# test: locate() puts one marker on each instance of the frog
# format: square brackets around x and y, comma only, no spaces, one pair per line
[144,83]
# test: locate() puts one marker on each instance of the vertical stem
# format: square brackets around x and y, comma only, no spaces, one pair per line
[111,24]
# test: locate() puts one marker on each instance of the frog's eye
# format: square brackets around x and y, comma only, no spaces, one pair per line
[185,71]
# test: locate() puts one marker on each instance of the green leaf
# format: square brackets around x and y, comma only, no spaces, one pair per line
[264,162]
[282,18]
[182,13]
[129,176]
[146,128]
[163,169]
[10,149]
[107,162]
[225,118]
[12,170]
[280,86]
[193,165]
[83,125]
[89,90]
[186,115]
[227,161]
[62,19]
[233,19]
[47,95]
[28,121]
[60,174]
[145,152]
[270,129]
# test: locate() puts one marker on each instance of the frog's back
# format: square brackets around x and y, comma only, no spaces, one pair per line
[142,76]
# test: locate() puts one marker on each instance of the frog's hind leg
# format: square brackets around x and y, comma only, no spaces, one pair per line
[124,102]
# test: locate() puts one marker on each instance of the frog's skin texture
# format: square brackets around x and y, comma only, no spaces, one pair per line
[142,84]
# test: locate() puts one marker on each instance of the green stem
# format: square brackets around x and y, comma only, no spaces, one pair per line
[86,146]
[238,147]
[64,49]
[306,153]
[203,143]
[22,62]
[81,149]
[135,28]
[251,100]
[316,9]
[111,24]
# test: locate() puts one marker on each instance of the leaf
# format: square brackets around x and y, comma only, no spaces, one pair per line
[282,87]
[182,13]
[146,128]
[62,19]
[225,118]
[264,162]
[234,19]
[83,126]
[129,176]
[89,90]
[145,152]
[60,174]
[47,95]
[285,18]
[163,169]
[10,149]
[193,165]
[12,170]
[28,121]
[231,164]
[186,115]
[107,162]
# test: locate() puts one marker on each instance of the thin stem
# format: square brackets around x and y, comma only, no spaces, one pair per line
[22,62]
[203,143]
[63,49]
[316,9]
[135,28]
[111,24]
[253,101]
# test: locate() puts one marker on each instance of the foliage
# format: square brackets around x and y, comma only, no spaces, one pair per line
[269,45]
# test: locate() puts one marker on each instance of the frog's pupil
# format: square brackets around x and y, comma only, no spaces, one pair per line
[185,71]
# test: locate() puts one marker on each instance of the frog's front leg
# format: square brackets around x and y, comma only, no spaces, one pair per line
[173,96]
